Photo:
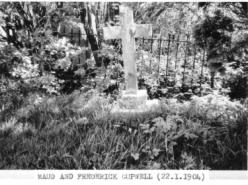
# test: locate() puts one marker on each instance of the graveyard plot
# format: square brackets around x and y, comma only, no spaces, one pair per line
[108,85]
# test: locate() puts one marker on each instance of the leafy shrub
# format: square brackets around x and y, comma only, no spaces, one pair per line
[214,107]
[25,69]
[237,81]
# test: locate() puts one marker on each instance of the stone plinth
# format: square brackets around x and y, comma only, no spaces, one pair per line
[132,100]
[135,103]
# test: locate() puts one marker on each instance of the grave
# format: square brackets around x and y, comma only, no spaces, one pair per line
[132,100]
[75,32]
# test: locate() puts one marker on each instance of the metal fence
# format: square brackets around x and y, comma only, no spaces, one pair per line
[176,58]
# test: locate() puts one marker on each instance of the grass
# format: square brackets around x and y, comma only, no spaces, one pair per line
[79,132]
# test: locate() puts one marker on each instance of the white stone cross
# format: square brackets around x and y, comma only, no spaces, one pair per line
[127,32]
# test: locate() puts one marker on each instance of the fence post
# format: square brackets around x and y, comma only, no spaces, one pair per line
[203,59]
[78,57]
[143,44]
[193,69]
[79,36]
[177,47]
[151,54]
[159,52]
[168,53]
[72,36]
[185,59]
[64,33]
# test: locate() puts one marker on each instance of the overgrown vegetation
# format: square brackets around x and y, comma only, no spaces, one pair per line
[57,133]
[57,91]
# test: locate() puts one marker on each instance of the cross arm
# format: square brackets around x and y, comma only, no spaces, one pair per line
[112,32]
[143,30]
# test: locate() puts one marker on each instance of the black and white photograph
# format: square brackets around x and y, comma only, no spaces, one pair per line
[123,85]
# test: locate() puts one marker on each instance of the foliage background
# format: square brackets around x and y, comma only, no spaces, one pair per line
[56,95]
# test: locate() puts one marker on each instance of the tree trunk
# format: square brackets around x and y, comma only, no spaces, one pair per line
[212,79]
[87,21]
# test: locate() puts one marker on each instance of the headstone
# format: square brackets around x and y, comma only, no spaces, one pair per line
[132,100]
[74,31]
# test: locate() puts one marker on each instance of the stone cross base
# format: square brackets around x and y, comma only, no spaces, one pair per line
[135,103]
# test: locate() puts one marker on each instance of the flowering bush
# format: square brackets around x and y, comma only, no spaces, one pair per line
[212,107]
[215,107]
[63,52]
[25,69]
[50,83]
